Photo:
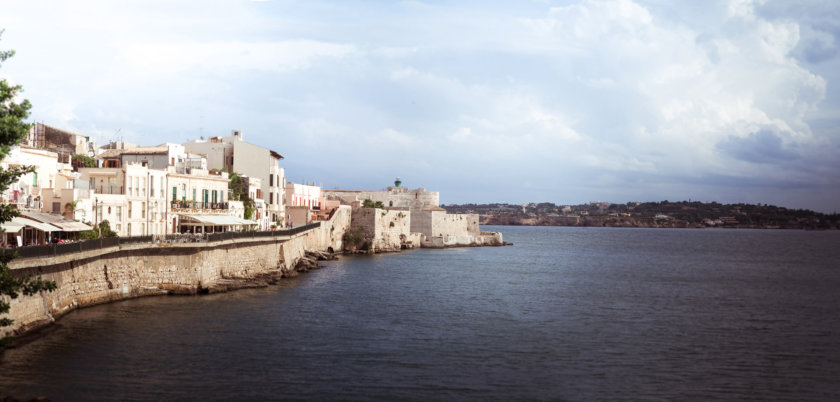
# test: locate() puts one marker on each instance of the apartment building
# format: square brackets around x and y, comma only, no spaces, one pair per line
[233,154]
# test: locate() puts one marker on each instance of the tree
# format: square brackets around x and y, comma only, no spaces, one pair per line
[235,185]
[368,203]
[12,130]
[81,160]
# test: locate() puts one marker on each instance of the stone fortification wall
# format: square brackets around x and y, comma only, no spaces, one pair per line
[133,270]
[394,197]
[386,230]
[440,229]
[439,223]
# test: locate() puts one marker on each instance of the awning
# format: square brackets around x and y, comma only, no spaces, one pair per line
[72,226]
[37,225]
[217,220]
[62,223]
[12,226]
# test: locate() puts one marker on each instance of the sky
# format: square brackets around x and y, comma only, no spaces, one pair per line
[485,101]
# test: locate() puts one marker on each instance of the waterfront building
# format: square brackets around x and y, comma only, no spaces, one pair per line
[303,202]
[199,202]
[132,198]
[394,197]
[70,197]
[26,192]
[233,154]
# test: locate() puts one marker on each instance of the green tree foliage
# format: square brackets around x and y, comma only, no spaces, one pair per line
[235,185]
[12,130]
[84,161]
[101,230]
[368,203]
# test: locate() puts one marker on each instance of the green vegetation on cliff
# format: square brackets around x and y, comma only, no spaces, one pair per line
[651,214]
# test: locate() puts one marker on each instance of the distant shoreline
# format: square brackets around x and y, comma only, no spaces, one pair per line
[631,223]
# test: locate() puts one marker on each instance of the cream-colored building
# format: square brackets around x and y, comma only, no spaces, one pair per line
[198,201]
[303,195]
[26,192]
[233,154]
[69,197]
[132,198]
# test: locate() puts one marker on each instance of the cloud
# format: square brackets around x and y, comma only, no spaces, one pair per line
[763,146]
[592,99]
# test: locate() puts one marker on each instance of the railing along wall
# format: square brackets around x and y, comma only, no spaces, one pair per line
[50,250]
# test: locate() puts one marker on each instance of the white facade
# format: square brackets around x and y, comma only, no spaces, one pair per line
[305,195]
[26,193]
[196,193]
[233,154]
[132,198]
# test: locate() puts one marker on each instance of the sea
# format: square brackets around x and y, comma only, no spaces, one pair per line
[565,313]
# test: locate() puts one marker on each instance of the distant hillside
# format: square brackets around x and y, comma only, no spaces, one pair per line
[650,214]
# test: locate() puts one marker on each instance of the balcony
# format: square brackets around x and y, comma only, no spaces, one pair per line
[109,189]
[199,206]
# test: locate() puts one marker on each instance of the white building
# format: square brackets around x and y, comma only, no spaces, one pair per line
[131,198]
[233,154]
[26,193]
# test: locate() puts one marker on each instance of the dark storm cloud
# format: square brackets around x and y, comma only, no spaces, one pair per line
[763,146]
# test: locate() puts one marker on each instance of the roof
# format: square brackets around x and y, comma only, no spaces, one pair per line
[275,154]
[61,223]
[37,225]
[115,153]
[12,226]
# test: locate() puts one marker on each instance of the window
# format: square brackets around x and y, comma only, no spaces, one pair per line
[35,179]
[109,210]
[271,198]
[271,180]
[119,213]
[143,210]
[56,207]
[174,193]
[162,186]
[193,195]
[129,213]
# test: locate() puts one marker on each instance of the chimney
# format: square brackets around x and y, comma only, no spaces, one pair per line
[237,134]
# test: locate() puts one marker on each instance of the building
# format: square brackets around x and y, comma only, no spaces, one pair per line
[304,203]
[64,143]
[69,197]
[132,198]
[233,154]
[157,157]
[26,193]
[199,202]
[394,197]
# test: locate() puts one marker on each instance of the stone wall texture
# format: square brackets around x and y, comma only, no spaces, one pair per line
[135,270]
[387,230]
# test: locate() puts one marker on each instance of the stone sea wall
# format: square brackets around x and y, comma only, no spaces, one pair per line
[134,270]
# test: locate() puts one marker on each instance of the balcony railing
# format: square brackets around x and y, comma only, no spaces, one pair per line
[199,205]
[109,190]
